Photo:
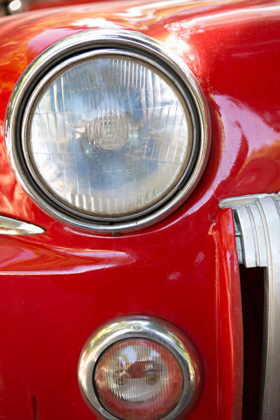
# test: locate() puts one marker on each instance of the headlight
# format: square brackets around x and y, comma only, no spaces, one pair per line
[111,138]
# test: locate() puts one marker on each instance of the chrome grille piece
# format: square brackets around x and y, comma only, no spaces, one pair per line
[257,220]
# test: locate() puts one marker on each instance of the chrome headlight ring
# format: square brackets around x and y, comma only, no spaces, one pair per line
[88,44]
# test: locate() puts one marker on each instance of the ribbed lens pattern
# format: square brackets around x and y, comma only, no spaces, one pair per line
[138,379]
[110,137]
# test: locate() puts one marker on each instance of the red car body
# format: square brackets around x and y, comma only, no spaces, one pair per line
[57,288]
[39,4]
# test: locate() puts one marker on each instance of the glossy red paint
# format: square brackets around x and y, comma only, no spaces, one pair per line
[230,329]
[57,288]
[46,4]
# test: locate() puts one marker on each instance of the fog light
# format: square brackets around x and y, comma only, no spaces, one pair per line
[138,379]
[139,368]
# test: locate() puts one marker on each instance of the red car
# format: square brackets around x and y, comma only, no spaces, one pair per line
[139,208]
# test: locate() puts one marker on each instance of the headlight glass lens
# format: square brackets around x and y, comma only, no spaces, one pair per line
[138,379]
[110,137]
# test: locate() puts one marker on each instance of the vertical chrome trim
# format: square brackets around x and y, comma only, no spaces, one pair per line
[258,221]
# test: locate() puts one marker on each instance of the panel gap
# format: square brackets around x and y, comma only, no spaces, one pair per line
[35,407]
[252,289]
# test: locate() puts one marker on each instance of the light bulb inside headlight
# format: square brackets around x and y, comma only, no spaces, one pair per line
[110,136]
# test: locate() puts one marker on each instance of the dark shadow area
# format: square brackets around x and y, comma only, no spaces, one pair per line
[252,287]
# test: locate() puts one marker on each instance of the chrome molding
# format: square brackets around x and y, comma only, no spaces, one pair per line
[14,7]
[15,227]
[141,327]
[257,219]
[132,43]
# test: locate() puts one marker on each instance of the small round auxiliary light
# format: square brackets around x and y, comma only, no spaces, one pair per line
[138,368]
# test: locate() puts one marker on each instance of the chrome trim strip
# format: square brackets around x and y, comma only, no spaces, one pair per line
[15,227]
[141,327]
[258,221]
[98,39]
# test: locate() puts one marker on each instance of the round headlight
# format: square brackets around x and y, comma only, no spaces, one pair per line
[111,138]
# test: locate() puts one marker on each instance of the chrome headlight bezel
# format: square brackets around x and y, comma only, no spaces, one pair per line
[137,327]
[76,48]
